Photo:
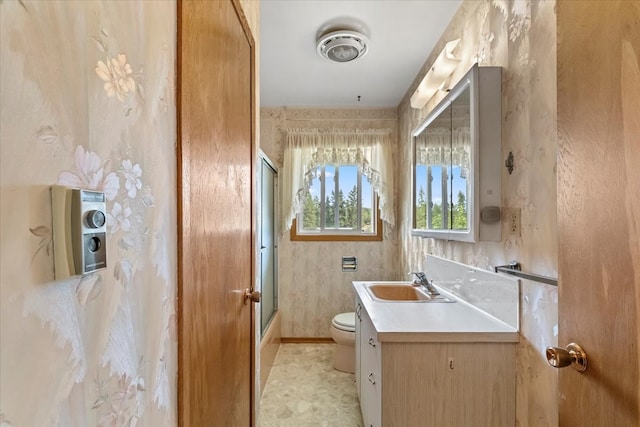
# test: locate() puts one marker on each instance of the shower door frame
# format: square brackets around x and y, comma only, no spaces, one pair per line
[265,161]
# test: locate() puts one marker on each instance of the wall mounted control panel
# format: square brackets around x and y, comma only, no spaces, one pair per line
[79,231]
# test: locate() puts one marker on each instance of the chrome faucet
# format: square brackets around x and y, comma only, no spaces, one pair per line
[421,280]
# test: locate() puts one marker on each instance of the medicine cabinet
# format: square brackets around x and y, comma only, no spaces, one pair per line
[456,162]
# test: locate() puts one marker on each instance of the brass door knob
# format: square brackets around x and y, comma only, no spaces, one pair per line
[254,296]
[573,355]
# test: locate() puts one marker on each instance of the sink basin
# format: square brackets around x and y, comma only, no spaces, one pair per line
[402,293]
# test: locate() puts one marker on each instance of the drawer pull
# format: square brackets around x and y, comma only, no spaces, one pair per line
[371,380]
[372,343]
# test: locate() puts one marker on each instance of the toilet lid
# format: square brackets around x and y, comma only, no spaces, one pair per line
[345,321]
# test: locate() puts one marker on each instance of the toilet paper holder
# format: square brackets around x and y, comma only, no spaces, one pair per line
[349,263]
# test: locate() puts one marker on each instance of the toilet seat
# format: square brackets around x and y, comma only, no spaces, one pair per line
[345,321]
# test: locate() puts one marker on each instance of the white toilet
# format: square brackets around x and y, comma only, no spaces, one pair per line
[343,332]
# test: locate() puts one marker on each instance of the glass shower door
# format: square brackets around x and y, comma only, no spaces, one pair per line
[268,245]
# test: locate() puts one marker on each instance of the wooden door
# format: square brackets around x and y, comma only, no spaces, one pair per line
[216,153]
[599,209]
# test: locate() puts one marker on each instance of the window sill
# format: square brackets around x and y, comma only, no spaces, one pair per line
[326,237]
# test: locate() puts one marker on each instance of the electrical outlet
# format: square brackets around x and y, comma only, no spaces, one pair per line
[514,221]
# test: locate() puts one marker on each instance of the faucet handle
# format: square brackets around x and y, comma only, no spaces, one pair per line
[420,277]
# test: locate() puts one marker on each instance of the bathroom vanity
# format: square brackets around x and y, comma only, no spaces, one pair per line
[437,363]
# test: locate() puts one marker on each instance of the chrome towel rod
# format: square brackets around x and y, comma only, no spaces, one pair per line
[515,269]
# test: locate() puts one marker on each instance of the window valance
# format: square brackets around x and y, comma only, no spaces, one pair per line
[306,149]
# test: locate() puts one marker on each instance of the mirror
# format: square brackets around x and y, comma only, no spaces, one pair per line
[446,163]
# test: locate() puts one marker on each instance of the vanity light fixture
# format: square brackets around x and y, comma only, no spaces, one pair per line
[342,45]
[437,78]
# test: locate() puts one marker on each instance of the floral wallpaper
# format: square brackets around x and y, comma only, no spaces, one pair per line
[88,101]
[519,36]
[312,286]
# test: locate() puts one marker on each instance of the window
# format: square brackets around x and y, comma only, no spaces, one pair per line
[337,184]
[340,204]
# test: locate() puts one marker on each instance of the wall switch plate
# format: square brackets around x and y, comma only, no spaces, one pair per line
[513,219]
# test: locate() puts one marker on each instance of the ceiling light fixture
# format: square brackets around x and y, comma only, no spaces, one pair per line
[342,46]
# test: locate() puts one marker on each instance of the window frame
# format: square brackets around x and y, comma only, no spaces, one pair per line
[331,234]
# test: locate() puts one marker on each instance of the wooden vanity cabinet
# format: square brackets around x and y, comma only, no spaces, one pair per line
[423,384]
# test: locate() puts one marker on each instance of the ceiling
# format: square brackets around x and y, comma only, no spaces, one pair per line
[402,34]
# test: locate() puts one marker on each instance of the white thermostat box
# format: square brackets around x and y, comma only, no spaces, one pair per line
[79,231]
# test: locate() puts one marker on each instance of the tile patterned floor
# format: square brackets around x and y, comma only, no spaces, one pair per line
[303,390]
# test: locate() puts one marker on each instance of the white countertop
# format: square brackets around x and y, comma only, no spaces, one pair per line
[432,322]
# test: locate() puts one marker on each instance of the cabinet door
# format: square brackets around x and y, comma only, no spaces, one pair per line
[370,375]
[358,349]
[449,384]
[456,162]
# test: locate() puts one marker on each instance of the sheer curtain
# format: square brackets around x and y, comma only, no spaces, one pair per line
[308,148]
[441,146]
